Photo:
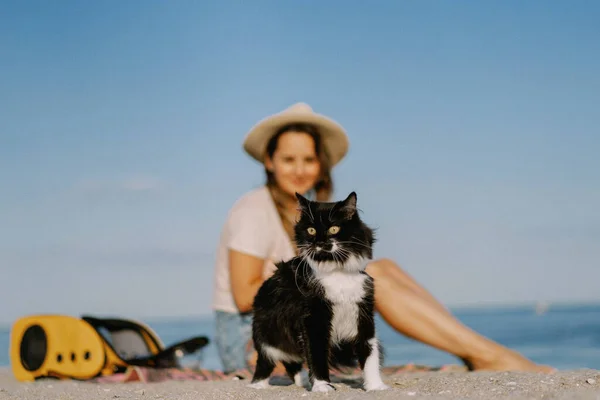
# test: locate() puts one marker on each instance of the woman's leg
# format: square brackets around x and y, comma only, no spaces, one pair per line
[230,337]
[233,331]
[413,311]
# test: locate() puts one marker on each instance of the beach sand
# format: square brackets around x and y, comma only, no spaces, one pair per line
[579,384]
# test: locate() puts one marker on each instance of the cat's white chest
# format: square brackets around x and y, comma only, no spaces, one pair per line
[345,290]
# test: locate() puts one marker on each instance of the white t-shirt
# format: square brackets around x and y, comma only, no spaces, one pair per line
[253,227]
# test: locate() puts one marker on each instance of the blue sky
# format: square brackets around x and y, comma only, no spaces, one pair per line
[474,130]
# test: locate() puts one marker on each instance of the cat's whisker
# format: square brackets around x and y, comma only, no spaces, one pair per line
[308,275]
[303,248]
[336,257]
[296,282]
[303,211]
[340,258]
[344,252]
[358,241]
[365,245]
[311,214]
[341,253]
[305,264]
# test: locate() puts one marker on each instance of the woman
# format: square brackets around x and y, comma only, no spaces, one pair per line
[297,148]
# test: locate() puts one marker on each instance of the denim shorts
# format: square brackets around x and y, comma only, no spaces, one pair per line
[233,332]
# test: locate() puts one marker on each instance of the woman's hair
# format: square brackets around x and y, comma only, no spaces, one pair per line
[324,185]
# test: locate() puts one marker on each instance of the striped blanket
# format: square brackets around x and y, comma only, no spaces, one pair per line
[143,374]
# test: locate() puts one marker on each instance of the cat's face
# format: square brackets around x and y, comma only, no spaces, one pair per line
[331,235]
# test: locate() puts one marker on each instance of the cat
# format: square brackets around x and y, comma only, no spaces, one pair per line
[318,307]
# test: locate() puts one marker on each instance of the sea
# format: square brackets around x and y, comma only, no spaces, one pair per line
[563,336]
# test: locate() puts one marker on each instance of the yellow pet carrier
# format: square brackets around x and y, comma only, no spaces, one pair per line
[66,347]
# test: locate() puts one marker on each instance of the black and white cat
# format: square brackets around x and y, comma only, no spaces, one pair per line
[318,307]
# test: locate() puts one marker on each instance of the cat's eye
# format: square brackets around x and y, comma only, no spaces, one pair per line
[333,230]
[312,231]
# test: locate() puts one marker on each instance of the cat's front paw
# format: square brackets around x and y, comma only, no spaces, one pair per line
[264,384]
[376,386]
[322,386]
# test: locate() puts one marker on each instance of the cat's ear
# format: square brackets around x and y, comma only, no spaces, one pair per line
[302,201]
[348,206]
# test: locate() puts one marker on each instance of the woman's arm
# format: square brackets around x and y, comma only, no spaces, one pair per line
[246,276]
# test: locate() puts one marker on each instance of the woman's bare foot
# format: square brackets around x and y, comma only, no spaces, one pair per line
[505,360]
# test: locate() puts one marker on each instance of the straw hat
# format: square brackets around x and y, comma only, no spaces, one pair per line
[332,133]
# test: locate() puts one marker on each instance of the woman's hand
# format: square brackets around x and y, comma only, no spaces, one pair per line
[269,269]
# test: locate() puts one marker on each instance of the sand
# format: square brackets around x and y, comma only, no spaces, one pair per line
[577,384]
